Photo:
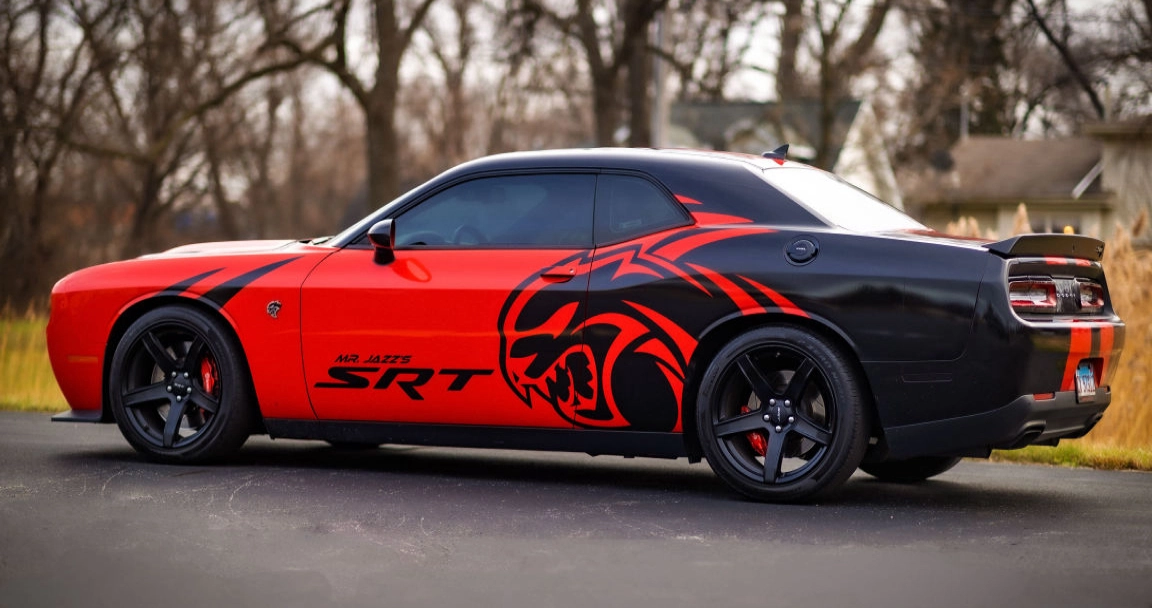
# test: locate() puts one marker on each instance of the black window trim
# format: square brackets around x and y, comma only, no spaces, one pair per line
[485,175]
[669,196]
[361,240]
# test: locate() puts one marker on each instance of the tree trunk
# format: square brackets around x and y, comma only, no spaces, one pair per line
[788,85]
[639,102]
[456,117]
[142,237]
[828,102]
[383,162]
[225,218]
[604,106]
[13,235]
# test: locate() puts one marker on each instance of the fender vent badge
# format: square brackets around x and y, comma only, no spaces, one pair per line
[274,308]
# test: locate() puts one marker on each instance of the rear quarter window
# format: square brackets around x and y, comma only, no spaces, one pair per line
[736,190]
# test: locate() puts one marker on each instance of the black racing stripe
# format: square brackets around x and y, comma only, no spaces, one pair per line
[187,284]
[227,290]
[1095,342]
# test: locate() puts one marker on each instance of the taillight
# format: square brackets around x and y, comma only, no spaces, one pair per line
[1033,295]
[1091,296]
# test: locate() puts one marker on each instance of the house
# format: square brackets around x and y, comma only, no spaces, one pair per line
[1126,168]
[854,146]
[987,178]
[1086,184]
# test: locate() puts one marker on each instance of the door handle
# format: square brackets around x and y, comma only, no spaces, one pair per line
[559,275]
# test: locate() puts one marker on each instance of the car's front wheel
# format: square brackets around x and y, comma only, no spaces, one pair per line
[179,388]
[781,415]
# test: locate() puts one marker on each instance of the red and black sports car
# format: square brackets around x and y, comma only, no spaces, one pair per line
[752,311]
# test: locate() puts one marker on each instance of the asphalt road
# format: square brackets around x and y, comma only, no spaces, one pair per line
[85,522]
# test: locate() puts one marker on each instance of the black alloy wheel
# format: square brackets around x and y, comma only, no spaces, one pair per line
[179,389]
[781,415]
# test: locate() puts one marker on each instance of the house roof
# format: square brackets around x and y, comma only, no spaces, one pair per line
[715,123]
[1137,128]
[999,168]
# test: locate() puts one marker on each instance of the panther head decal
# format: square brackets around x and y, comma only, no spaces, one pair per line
[620,360]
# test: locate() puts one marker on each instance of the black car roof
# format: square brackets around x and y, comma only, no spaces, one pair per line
[658,162]
[619,158]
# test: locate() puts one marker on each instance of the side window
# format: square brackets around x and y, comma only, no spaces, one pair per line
[549,210]
[628,207]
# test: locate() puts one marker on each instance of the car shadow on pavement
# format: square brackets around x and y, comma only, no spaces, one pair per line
[492,468]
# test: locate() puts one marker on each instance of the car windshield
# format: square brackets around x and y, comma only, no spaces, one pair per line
[837,201]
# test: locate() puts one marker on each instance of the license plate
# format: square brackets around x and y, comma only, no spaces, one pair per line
[1085,384]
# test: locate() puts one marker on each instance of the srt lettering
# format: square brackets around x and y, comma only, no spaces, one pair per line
[407,378]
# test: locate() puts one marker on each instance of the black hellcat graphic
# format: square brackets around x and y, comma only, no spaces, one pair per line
[618,358]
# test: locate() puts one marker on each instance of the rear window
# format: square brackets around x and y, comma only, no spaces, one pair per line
[837,201]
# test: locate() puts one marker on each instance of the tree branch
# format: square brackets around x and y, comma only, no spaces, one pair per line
[853,57]
[1069,61]
[414,24]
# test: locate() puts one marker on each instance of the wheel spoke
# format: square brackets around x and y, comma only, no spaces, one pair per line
[807,428]
[799,381]
[195,351]
[172,425]
[204,401]
[146,395]
[773,457]
[158,352]
[752,421]
[755,377]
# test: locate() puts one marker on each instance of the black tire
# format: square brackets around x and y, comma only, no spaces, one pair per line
[179,360]
[781,415]
[911,470]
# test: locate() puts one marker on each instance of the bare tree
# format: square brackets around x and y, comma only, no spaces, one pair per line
[710,41]
[840,51]
[1092,58]
[610,35]
[166,67]
[960,48]
[452,41]
[1062,45]
[39,99]
[292,29]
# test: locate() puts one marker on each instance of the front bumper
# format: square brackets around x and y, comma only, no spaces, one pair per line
[1024,421]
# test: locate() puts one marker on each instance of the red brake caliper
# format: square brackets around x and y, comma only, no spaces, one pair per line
[756,438]
[208,377]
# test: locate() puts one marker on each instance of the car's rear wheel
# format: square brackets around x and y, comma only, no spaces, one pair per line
[179,388]
[911,470]
[781,415]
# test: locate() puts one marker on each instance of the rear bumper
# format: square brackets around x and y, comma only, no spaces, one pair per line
[1024,421]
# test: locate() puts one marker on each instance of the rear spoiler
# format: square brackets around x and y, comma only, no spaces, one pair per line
[1050,245]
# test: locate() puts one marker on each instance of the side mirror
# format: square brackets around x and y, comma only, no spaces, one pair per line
[382,235]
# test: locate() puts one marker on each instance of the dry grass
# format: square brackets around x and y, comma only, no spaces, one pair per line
[1128,422]
[26,380]
[1080,454]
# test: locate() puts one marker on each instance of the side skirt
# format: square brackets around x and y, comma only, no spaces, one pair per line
[594,442]
[81,416]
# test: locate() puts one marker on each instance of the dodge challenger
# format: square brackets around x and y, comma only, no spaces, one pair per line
[750,311]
